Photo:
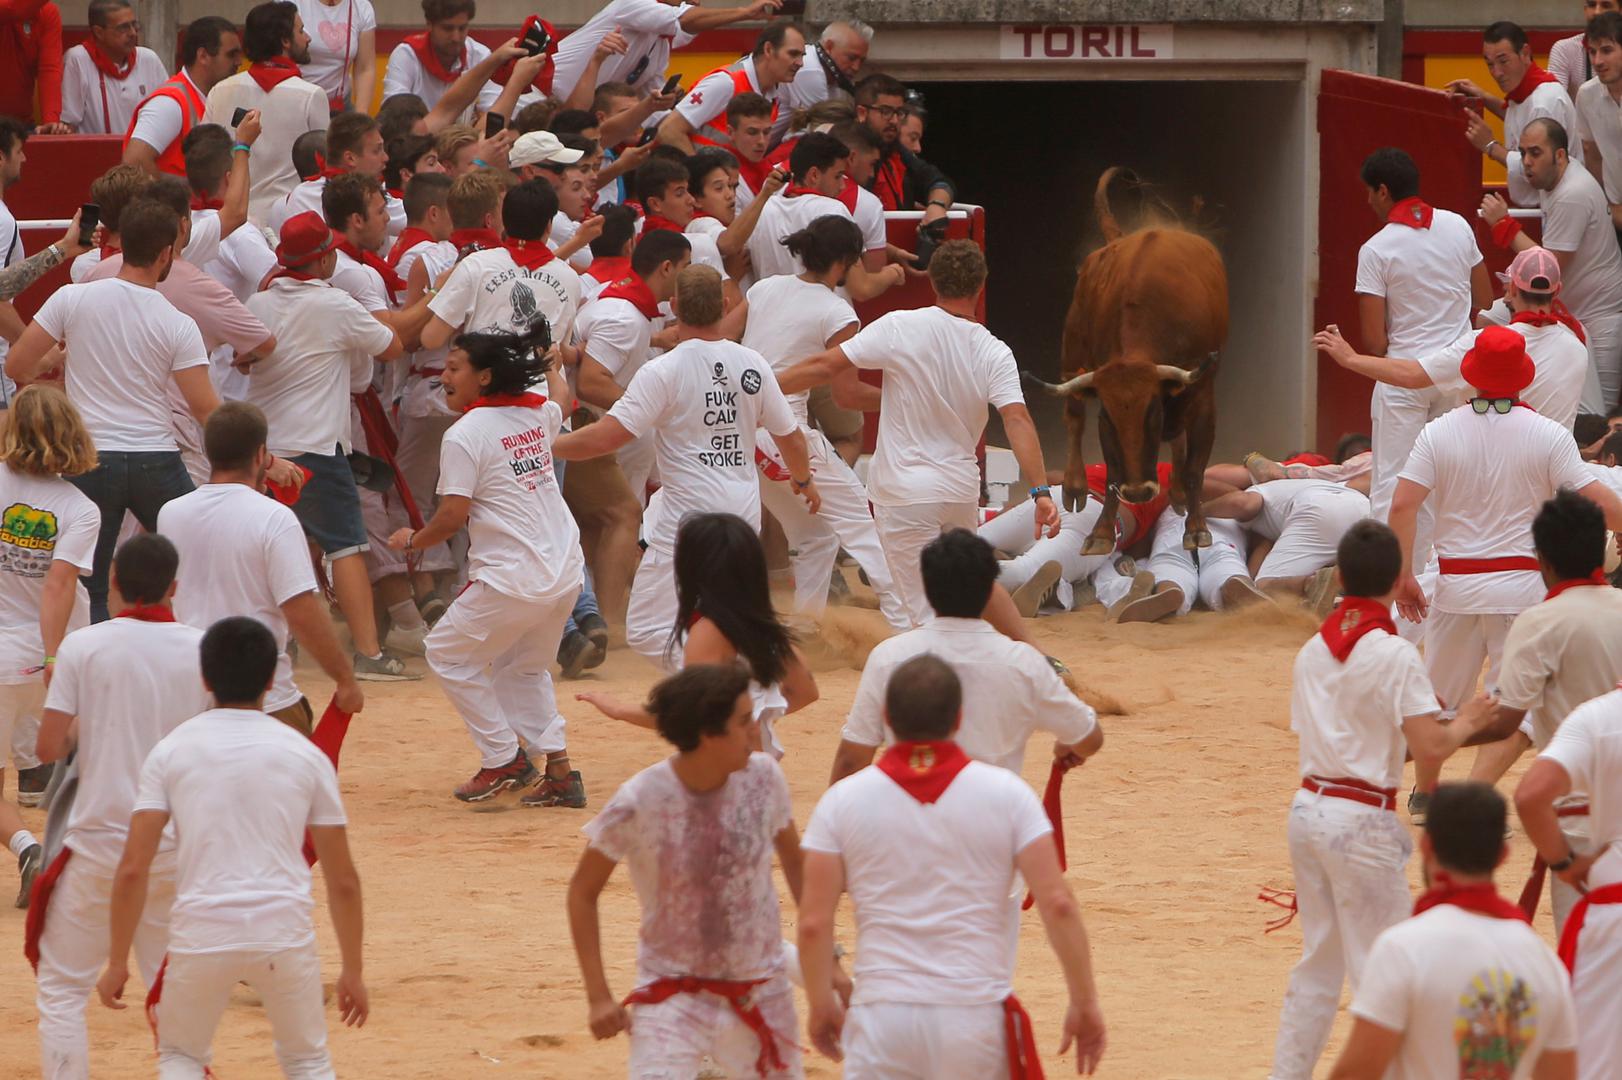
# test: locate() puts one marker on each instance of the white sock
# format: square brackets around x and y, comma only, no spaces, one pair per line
[21,841]
[405,615]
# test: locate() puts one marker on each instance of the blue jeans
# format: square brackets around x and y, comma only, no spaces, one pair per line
[139,481]
[587,604]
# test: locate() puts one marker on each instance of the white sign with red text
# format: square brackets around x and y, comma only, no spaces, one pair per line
[1086,42]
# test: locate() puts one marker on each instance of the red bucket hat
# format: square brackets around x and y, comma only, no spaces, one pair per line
[1498,366]
[305,238]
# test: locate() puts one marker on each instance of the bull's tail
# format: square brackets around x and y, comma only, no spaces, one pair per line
[1122,197]
[1107,222]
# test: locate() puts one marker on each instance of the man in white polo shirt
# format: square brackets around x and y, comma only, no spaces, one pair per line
[1465,987]
[928,844]
[126,347]
[120,686]
[1011,689]
[1599,105]
[701,116]
[1577,227]
[108,74]
[941,368]
[1568,57]
[1419,280]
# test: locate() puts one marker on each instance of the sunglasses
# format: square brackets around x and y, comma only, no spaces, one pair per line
[1500,405]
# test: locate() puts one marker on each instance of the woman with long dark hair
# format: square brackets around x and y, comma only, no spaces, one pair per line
[724,615]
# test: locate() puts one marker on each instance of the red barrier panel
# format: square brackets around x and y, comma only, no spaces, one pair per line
[56,178]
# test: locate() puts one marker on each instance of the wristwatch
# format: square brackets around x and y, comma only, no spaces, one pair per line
[1564,864]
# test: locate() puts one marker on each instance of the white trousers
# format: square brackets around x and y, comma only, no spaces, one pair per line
[671,1040]
[493,654]
[72,953]
[1596,987]
[650,613]
[1604,333]
[1217,564]
[197,988]
[1014,531]
[1398,416]
[904,532]
[1455,648]
[20,705]
[1312,534]
[815,539]
[1350,885]
[901,1041]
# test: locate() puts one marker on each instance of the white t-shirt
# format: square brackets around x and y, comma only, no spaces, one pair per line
[303,386]
[1559,654]
[245,257]
[702,403]
[1315,505]
[361,282]
[650,29]
[97,105]
[1577,221]
[158,122]
[791,319]
[334,40]
[241,553]
[489,293]
[42,519]
[1550,99]
[1484,513]
[931,883]
[1568,62]
[1599,121]
[124,344]
[702,867]
[707,101]
[1010,691]
[291,108]
[1610,476]
[127,683]
[1424,277]
[424,394]
[405,75]
[940,371]
[522,539]
[616,335]
[307,196]
[1349,716]
[240,787]
[869,215]
[1560,358]
[782,217]
[1589,747]
[1465,989]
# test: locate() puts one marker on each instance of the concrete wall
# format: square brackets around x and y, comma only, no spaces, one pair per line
[1540,14]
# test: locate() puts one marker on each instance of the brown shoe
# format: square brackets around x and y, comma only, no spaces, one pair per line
[1143,583]
[1154,607]
[1241,592]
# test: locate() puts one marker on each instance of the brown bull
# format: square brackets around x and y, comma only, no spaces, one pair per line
[1149,314]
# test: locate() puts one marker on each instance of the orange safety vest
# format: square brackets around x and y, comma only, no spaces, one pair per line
[181,90]
[718,132]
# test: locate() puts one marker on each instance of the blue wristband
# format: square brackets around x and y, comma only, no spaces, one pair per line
[244,147]
[481,163]
[1041,493]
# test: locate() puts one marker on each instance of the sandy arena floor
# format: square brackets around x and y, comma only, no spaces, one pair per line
[1171,830]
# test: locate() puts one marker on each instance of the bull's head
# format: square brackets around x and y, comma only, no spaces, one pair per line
[1132,396]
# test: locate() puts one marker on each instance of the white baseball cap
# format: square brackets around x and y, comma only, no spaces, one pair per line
[541,148]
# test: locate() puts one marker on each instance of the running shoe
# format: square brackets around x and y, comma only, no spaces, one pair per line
[382,668]
[29,864]
[407,639]
[487,783]
[31,784]
[576,653]
[569,792]
[1419,804]
[1030,596]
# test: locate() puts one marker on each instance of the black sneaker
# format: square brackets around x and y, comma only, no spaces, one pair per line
[569,792]
[31,784]
[595,627]
[576,652]
[29,864]
[385,667]
[487,783]
[1419,804]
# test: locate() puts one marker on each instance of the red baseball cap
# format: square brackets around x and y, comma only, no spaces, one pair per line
[1498,366]
[305,238]
[1534,270]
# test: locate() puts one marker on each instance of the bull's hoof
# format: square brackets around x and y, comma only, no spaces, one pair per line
[1100,545]
[1075,499]
[1196,538]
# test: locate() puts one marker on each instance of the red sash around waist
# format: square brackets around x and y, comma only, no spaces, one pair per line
[1348,787]
[1487,566]
[1609,894]
[738,994]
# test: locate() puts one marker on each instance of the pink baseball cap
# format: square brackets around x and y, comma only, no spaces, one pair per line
[1534,270]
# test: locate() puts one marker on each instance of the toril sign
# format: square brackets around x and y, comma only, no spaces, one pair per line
[1086,43]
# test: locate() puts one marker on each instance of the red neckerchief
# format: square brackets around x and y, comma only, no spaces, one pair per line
[847,194]
[1596,578]
[924,769]
[697,214]
[1481,899]
[654,222]
[323,171]
[1413,212]
[430,61]
[530,254]
[526,400]
[291,274]
[391,279]
[394,193]
[753,173]
[1558,313]
[632,288]
[109,250]
[610,268]
[1534,78]
[543,78]
[483,239]
[270,74]
[1353,617]
[204,202]
[409,238]
[796,190]
[105,64]
[147,613]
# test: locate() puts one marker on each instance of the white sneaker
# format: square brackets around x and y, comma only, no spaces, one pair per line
[406,639]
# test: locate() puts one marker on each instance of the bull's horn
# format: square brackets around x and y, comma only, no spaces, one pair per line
[1172,373]
[1082,381]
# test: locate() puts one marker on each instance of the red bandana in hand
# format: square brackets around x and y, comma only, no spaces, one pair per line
[1559,313]
[1596,578]
[409,238]
[147,613]
[924,769]
[515,401]
[1481,899]
[391,280]
[543,78]
[632,288]
[105,63]
[270,74]
[429,59]
[1413,212]
[530,254]
[1353,617]
[1534,78]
